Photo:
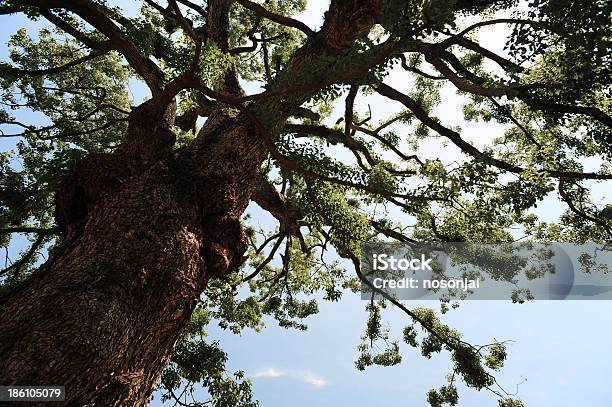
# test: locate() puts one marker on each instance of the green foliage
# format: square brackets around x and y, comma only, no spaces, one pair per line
[196,361]
[410,336]
[323,203]
[446,395]
[510,402]
[496,357]
[370,352]
[80,110]
[381,179]
[212,65]
[282,41]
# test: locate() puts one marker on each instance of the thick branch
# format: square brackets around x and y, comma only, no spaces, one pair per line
[348,109]
[70,29]
[567,109]
[199,9]
[347,20]
[464,84]
[501,61]
[277,18]
[217,29]
[268,198]
[95,15]
[466,147]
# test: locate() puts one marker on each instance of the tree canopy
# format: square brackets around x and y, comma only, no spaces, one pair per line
[332,181]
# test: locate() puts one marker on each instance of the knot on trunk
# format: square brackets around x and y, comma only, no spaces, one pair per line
[149,134]
[349,19]
[223,245]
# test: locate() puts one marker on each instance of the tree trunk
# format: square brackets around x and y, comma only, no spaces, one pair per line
[103,314]
[144,228]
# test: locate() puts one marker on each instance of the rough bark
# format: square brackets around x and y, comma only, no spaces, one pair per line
[143,230]
[102,315]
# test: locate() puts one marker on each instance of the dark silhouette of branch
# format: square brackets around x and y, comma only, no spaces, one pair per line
[466,147]
[42,233]
[9,70]
[94,14]
[277,18]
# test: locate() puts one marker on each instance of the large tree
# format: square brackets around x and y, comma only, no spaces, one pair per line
[141,207]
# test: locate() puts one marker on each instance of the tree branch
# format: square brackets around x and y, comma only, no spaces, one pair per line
[199,9]
[29,229]
[9,70]
[567,109]
[26,257]
[466,147]
[70,29]
[277,18]
[268,198]
[4,10]
[570,203]
[94,14]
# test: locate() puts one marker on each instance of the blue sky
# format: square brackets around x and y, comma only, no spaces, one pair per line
[560,351]
[560,348]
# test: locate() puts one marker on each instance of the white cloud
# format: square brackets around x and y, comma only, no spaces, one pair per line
[311,379]
[303,376]
[270,372]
